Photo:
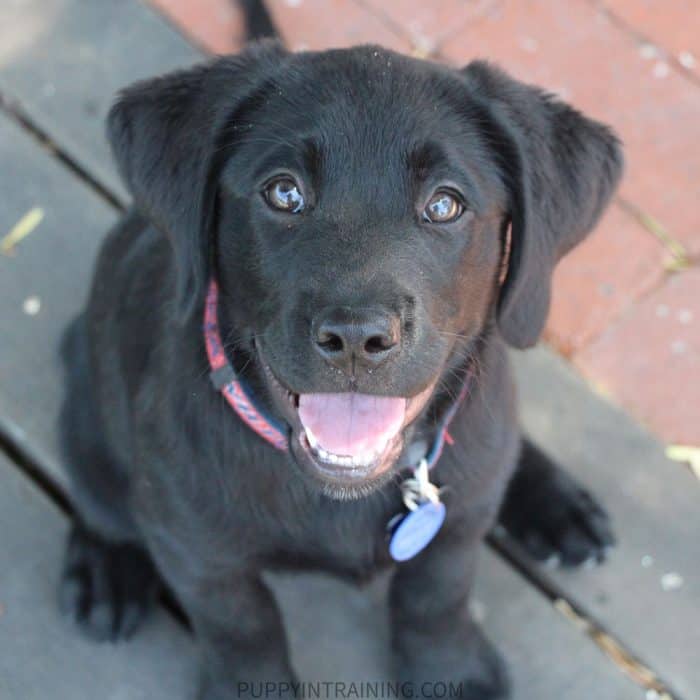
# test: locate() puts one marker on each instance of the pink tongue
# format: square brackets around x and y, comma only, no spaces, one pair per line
[351,424]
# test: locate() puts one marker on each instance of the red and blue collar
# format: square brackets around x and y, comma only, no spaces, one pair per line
[232,387]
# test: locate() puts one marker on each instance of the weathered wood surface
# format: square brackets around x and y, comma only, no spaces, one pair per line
[64,60]
[548,658]
[336,631]
[51,266]
[656,509]
[41,655]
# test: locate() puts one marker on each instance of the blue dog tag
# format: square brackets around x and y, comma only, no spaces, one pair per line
[416,530]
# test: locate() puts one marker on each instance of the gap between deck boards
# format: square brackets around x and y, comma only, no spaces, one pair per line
[614,649]
[14,111]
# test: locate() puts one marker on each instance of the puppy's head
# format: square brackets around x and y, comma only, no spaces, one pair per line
[357,208]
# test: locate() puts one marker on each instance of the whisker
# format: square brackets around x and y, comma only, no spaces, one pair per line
[450,334]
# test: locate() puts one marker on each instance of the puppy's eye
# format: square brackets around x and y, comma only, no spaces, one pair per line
[442,208]
[284,194]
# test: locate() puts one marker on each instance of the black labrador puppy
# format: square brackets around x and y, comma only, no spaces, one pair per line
[294,350]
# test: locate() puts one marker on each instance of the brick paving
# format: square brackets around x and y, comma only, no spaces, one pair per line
[320,24]
[215,25]
[651,359]
[624,317]
[616,265]
[673,26]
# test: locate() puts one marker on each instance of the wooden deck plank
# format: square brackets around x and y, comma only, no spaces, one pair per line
[64,60]
[337,632]
[654,504]
[348,630]
[51,266]
[41,654]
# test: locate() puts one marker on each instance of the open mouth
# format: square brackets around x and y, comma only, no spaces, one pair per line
[351,433]
[348,438]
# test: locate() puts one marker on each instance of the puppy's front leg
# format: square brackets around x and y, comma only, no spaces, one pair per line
[434,638]
[240,637]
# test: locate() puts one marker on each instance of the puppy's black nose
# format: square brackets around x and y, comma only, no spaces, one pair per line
[350,338]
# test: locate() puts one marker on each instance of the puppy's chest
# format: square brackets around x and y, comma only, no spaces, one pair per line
[354,537]
[349,536]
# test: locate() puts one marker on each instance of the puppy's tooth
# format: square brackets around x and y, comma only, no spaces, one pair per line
[311,437]
[361,460]
[364,460]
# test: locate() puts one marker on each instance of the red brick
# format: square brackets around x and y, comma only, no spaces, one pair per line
[650,360]
[216,25]
[600,279]
[672,24]
[322,24]
[428,24]
[572,48]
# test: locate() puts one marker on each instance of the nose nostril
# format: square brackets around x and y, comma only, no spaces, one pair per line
[330,342]
[377,344]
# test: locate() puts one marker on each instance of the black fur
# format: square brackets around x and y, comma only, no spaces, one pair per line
[257,20]
[164,471]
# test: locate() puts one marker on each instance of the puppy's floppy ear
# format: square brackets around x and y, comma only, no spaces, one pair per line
[561,169]
[166,135]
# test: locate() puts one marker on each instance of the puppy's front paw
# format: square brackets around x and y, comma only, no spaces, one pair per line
[108,589]
[468,664]
[558,521]
[487,677]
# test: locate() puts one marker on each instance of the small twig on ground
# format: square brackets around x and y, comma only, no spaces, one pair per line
[21,230]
